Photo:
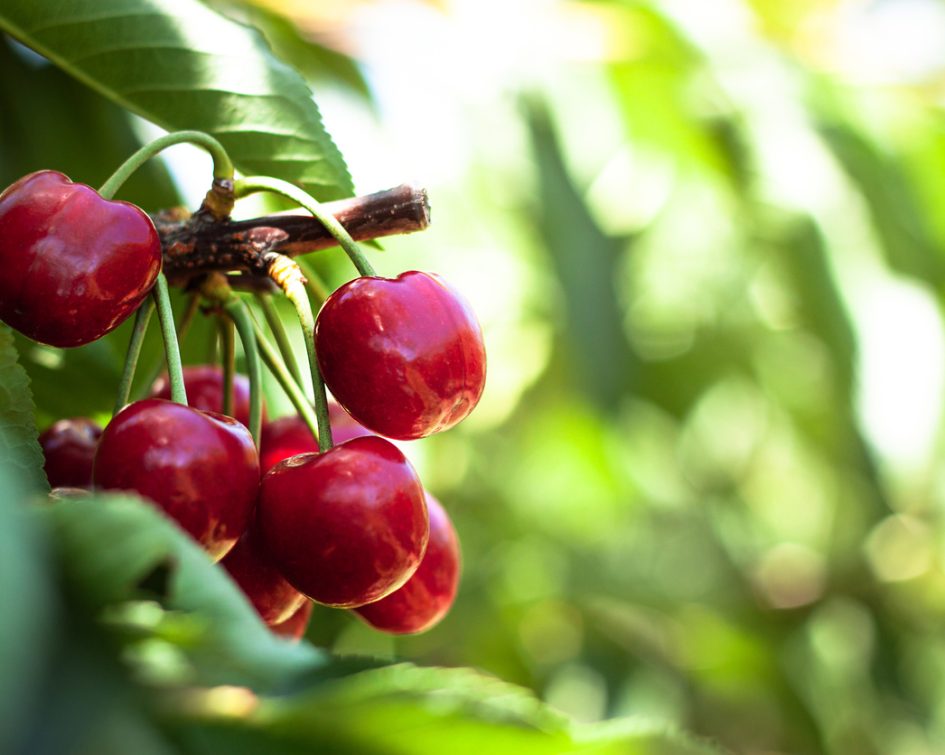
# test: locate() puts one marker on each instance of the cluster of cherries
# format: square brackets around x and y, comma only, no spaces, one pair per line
[350,527]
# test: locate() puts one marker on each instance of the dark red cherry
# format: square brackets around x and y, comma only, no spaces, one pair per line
[274,599]
[429,593]
[294,627]
[200,468]
[288,436]
[74,264]
[403,356]
[204,384]
[345,527]
[69,449]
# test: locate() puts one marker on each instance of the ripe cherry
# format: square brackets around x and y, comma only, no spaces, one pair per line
[403,356]
[201,468]
[345,527]
[274,599]
[204,384]
[427,596]
[69,449]
[75,265]
[288,436]
[294,627]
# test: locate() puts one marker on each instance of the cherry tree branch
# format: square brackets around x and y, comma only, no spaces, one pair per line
[196,244]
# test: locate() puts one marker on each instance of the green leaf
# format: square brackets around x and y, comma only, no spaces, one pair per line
[145,555]
[19,448]
[183,66]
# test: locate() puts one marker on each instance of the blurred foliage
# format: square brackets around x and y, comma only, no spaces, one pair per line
[702,488]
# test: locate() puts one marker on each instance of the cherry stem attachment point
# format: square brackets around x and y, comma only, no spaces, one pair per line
[291,388]
[175,370]
[142,318]
[251,185]
[222,165]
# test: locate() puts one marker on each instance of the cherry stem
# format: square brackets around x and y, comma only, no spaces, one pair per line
[228,357]
[253,184]
[239,314]
[313,282]
[222,165]
[278,332]
[142,318]
[183,325]
[175,370]
[291,388]
[288,275]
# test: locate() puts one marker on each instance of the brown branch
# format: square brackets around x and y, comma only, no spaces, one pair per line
[194,245]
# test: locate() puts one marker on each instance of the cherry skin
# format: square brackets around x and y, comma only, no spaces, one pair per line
[427,596]
[201,468]
[288,436]
[274,599]
[204,384]
[345,527]
[69,450]
[75,265]
[294,627]
[403,356]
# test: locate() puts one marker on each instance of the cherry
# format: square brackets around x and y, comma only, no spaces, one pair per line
[345,527]
[201,468]
[75,265]
[274,599]
[428,594]
[403,356]
[288,436]
[69,449]
[204,384]
[294,627]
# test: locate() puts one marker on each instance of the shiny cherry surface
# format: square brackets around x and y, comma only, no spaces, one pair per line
[403,356]
[346,527]
[294,627]
[74,265]
[200,468]
[288,436]
[274,599]
[427,596]
[204,384]
[69,449]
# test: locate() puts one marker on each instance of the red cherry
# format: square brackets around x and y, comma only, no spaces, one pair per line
[404,357]
[429,593]
[75,265]
[204,384]
[294,627]
[274,599]
[200,468]
[345,527]
[69,449]
[288,436]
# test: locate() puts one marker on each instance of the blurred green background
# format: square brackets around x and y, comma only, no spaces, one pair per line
[705,244]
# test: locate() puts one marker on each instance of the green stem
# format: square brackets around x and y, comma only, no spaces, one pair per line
[228,348]
[222,165]
[240,315]
[278,332]
[183,326]
[142,318]
[252,184]
[313,281]
[277,367]
[175,370]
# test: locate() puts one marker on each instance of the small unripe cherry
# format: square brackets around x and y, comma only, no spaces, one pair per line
[427,596]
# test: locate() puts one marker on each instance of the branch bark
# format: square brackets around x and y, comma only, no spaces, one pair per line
[194,245]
